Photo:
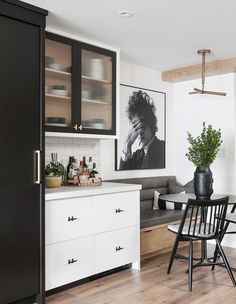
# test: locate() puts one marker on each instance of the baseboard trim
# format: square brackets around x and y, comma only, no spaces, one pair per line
[86,280]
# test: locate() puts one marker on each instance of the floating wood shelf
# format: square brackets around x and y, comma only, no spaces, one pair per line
[194,71]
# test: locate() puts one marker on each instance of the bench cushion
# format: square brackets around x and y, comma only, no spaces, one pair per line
[150,218]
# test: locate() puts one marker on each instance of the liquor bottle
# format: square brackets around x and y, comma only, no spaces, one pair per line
[70,167]
[81,166]
[75,167]
[84,174]
[85,166]
[90,164]
[64,176]
[93,172]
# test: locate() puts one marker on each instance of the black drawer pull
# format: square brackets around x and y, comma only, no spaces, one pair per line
[119,210]
[119,248]
[71,219]
[72,261]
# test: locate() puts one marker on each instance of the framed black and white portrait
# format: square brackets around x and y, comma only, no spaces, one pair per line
[141,144]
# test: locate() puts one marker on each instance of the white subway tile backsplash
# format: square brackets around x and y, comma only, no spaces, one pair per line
[77,147]
[51,140]
[78,141]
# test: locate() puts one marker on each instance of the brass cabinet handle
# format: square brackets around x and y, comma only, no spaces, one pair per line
[37,170]
[80,127]
[75,127]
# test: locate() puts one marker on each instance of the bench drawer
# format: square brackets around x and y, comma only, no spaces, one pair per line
[156,238]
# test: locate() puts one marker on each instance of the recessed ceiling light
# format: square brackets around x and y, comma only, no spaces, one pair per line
[125,13]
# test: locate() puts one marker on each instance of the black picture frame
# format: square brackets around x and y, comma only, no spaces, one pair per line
[158,99]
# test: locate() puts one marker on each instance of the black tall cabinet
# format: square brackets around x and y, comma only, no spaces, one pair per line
[21,153]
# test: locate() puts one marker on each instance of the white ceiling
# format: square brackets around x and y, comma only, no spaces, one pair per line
[162,34]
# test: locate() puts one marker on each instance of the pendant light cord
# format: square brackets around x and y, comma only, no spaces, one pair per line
[203,70]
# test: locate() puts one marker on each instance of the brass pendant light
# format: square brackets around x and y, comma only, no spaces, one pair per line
[203,91]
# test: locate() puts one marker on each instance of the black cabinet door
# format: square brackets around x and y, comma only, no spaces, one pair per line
[19,137]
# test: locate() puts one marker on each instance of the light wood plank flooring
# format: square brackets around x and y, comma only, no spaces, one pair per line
[153,286]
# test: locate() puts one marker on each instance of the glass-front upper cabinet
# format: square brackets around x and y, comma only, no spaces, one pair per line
[96,90]
[58,84]
[80,88]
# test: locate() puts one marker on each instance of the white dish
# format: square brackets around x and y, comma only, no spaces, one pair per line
[55,66]
[97,125]
[97,68]
[59,92]
[85,94]
[56,124]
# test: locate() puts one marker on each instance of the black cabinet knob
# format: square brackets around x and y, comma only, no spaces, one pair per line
[118,248]
[71,219]
[119,210]
[71,261]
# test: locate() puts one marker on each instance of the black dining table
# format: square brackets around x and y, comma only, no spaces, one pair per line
[182,198]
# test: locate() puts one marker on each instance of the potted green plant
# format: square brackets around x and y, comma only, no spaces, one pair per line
[202,152]
[53,174]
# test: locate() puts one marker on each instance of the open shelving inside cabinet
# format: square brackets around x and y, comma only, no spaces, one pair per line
[58,67]
[96,90]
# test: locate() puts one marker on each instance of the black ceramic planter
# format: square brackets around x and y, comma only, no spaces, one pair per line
[203,183]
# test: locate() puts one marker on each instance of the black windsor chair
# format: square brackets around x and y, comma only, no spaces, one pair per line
[206,222]
[229,218]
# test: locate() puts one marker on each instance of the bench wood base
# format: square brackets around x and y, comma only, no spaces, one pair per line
[156,240]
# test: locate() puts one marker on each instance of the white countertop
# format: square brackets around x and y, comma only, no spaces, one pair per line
[76,191]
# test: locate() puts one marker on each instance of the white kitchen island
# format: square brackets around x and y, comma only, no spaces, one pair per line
[90,230]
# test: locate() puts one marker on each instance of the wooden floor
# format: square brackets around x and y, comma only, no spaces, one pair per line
[152,285]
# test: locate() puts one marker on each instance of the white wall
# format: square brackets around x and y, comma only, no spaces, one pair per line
[191,111]
[139,76]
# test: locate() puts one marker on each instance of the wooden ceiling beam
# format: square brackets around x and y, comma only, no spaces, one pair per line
[194,71]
